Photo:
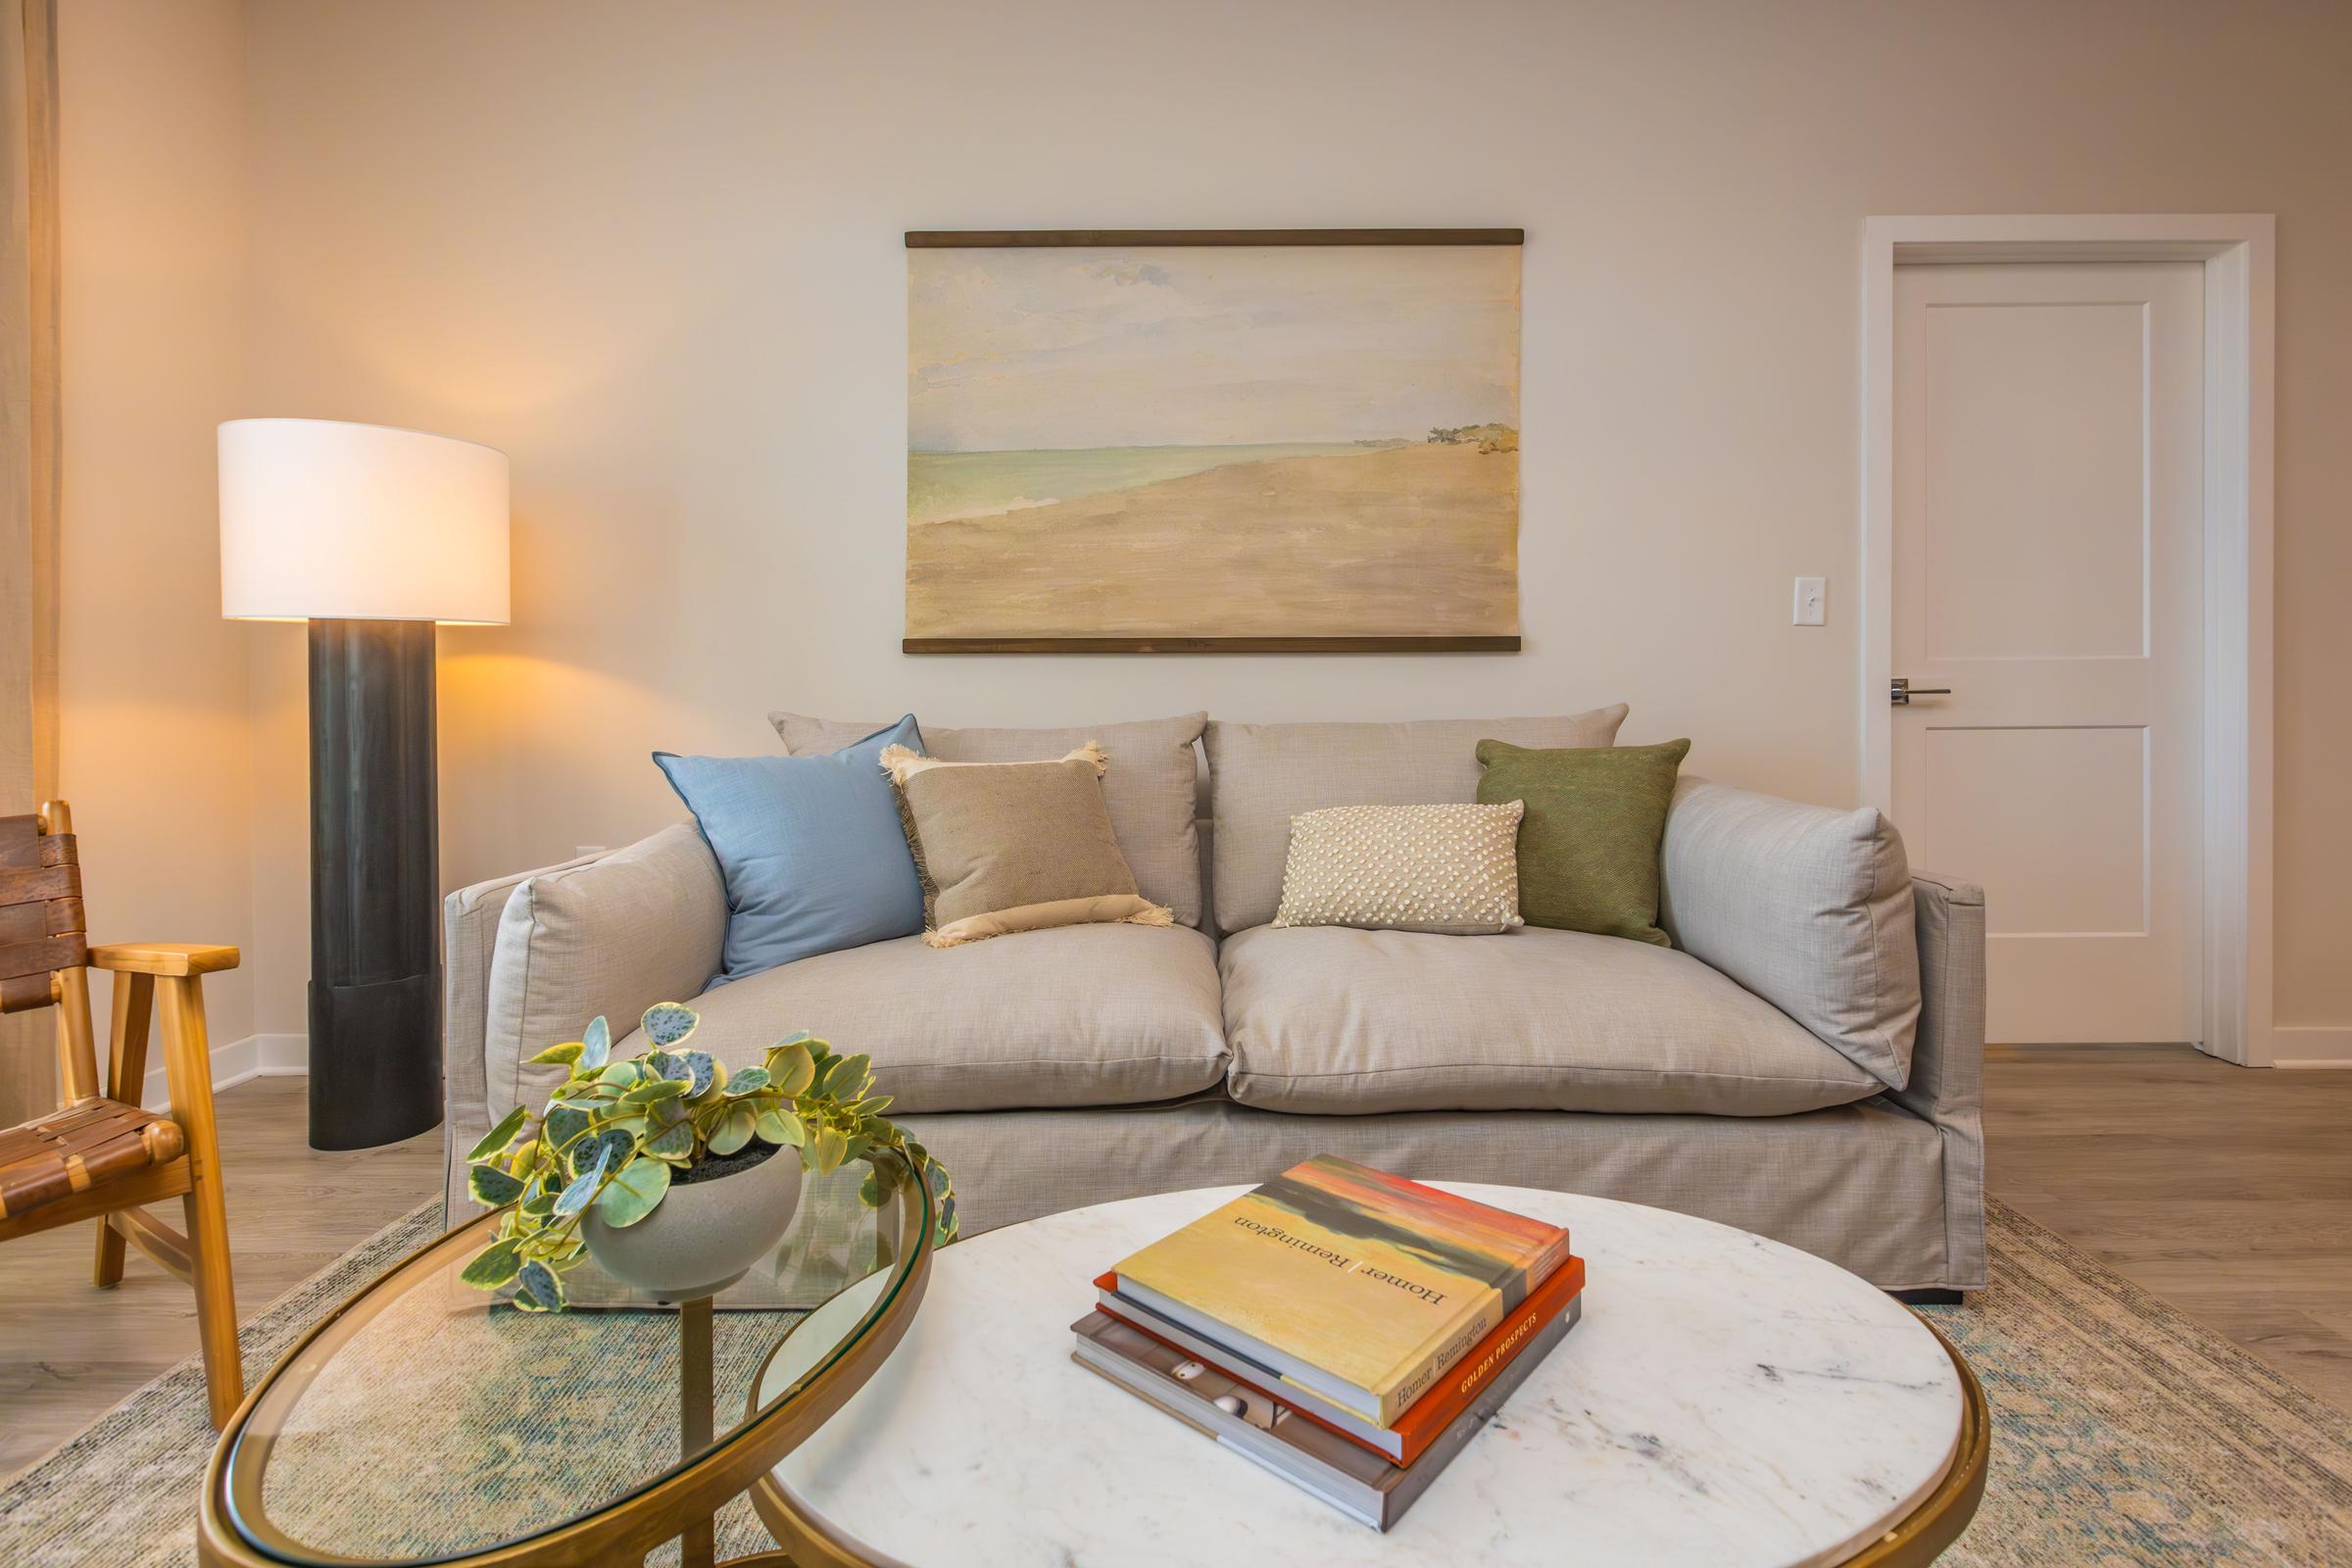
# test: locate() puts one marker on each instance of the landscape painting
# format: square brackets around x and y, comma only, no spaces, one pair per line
[1191,444]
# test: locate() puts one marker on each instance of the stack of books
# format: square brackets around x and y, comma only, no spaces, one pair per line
[1348,1330]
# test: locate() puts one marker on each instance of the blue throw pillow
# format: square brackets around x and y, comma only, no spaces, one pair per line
[810,847]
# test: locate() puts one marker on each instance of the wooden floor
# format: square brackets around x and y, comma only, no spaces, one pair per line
[2227,1192]
[69,1353]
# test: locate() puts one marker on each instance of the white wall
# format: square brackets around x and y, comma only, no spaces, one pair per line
[654,253]
[154,751]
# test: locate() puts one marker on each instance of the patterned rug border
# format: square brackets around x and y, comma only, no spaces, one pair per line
[261,1339]
[2218,1351]
[2220,1355]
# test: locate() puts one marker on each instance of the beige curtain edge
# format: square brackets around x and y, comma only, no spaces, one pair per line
[44,467]
[30,453]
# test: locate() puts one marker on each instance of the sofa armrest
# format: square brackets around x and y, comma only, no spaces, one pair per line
[533,958]
[1947,1062]
[611,938]
[469,938]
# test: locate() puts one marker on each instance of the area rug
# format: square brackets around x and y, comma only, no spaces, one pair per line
[2124,1433]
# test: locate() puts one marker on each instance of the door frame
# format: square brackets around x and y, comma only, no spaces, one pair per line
[2238,254]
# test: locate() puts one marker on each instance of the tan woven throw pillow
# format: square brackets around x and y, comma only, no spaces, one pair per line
[1451,869]
[1006,847]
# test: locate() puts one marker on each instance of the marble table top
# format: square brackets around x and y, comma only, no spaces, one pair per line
[1725,1400]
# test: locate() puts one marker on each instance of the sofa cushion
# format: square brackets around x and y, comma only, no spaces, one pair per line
[1588,848]
[1011,847]
[1262,775]
[1338,1021]
[811,847]
[1076,1015]
[612,936]
[1151,790]
[1807,907]
[1452,870]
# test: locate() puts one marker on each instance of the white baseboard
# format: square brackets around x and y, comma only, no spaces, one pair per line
[2312,1044]
[254,1057]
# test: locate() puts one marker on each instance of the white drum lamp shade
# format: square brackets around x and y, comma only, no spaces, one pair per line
[324,521]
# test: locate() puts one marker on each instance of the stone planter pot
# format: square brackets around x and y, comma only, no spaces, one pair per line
[706,1235]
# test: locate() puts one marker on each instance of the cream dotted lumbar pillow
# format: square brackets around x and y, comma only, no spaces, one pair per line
[1452,870]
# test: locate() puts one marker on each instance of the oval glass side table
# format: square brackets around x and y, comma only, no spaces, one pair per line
[423,1421]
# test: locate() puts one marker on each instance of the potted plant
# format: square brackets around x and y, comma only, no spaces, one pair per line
[673,1174]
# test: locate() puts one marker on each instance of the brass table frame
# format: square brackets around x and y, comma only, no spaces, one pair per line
[678,1504]
[1918,1539]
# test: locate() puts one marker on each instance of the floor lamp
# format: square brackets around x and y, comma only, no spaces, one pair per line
[373,535]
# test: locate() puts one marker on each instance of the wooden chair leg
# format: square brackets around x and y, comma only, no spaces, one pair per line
[126,1081]
[187,1064]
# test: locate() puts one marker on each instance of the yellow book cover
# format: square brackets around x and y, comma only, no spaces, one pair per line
[1362,1286]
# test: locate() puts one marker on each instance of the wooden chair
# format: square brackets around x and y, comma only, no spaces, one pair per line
[100,1155]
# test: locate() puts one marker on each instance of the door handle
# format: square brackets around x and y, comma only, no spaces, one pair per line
[1901,691]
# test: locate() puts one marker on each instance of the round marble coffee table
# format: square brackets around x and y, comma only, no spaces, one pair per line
[1725,1400]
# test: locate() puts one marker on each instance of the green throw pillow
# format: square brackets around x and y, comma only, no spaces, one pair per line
[1589,844]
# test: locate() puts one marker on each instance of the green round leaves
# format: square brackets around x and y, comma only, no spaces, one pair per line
[496,1141]
[604,1151]
[665,1023]
[734,1129]
[779,1126]
[566,1125]
[672,1143]
[596,1044]
[575,1196]
[618,1132]
[633,1194]
[493,1265]
[789,1068]
[491,1187]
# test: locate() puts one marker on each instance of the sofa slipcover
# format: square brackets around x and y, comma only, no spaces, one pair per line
[1076,1015]
[1338,1022]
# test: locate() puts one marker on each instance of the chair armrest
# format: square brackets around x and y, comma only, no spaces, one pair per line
[171,959]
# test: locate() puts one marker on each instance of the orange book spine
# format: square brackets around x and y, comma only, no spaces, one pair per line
[1434,1411]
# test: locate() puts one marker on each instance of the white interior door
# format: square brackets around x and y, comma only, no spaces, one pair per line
[2048,506]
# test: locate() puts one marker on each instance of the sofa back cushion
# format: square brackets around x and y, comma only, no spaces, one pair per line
[1262,775]
[1149,791]
[1805,905]
[611,936]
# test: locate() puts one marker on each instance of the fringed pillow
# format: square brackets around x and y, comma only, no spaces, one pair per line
[1006,847]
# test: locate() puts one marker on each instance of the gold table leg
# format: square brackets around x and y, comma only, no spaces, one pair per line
[698,1547]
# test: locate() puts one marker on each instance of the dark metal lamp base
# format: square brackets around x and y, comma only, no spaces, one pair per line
[375,958]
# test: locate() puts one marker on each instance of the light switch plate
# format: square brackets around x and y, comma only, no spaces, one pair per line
[1812,606]
[581,852]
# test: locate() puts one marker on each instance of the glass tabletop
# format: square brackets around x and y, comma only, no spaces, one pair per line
[428,1421]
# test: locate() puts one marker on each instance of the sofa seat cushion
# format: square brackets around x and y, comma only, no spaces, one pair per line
[1077,1015]
[1337,1021]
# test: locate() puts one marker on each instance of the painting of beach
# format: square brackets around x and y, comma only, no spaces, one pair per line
[1213,442]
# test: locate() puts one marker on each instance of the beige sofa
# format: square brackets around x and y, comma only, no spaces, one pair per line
[1803,1062]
